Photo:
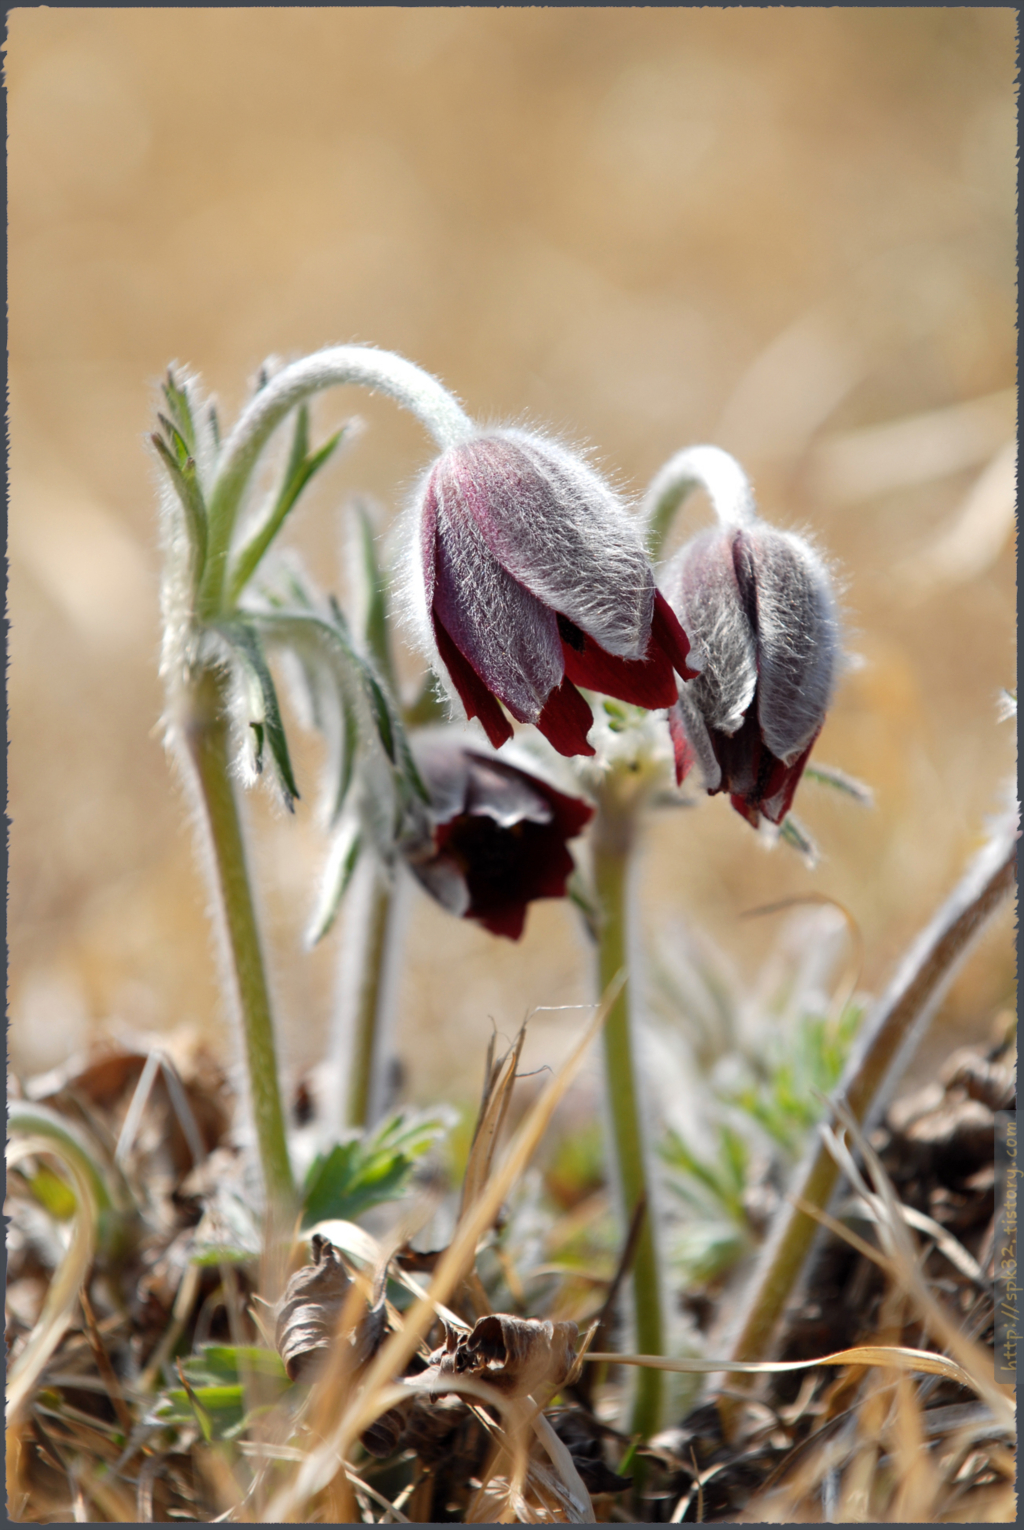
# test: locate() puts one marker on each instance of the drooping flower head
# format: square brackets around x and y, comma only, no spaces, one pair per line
[532,580]
[760,608]
[499,836]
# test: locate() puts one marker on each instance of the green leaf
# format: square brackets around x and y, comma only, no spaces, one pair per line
[53,1193]
[364,1172]
[376,637]
[831,775]
[792,832]
[245,643]
[299,470]
[341,864]
[304,631]
[180,410]
[347,756]
[185,480]
[429,707]
[214,1409]
[219,1365]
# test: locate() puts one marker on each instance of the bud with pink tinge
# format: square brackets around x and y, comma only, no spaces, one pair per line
[531,579]
[760,608]
[498,836]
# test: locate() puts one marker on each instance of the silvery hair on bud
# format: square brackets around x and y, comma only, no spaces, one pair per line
[798,639]
[770,625]
[553,525]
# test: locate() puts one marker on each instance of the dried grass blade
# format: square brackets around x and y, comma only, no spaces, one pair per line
[887,1038]
[68,1279]
[975,1361]
[497,1097]
[370,1401]
[564,1465]
[896,1357]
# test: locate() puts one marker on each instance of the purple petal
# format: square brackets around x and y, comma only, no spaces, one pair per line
[558,529]
[505,634]
[701,585]
[797,639]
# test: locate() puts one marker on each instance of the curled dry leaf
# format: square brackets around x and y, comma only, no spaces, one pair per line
[307,1320]
[514,1355]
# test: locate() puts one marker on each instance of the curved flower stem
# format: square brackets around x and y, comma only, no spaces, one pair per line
[614,834]
[204,725]
[889,1036]
[361,365]
[697,467]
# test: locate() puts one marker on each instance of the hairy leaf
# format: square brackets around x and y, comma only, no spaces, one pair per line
[361,1173]
[246,645]
[300,468]
[341,864]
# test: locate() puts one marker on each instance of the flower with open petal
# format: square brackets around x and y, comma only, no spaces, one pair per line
[499,836]
[532,580]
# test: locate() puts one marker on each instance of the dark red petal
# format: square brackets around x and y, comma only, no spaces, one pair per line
[506,921]
[746,809]
[647,682]
[571,814]
[685,754]
[782,785]
[566,720]
[476,698]
[554,867]
[667,632]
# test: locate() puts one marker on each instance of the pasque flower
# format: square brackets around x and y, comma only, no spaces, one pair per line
[499,836]
[531,580]
[760,608]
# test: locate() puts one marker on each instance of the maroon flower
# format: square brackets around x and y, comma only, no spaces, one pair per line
[532,580]
[499,836]
[759,603]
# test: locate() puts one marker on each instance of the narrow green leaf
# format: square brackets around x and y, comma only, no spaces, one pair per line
[214,1395]
[830,775]
[381,716]
[245,643]
[259,734]
[341,864]
[186,485]
[429,706]
[793,833]
[347,752]
[223,1365]
[376,637]
[180,410]
[298,472]
[53,1193]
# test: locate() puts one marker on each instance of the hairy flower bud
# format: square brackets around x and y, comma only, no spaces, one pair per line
[531,580]
[760,606]
[498,836]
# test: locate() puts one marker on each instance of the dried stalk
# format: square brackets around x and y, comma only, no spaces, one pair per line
[890,1036]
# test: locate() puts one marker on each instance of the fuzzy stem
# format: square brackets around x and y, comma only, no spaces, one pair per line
[205,727]
[614,833]
[366,1029]
[889,1037]
[361,365]
[697,467]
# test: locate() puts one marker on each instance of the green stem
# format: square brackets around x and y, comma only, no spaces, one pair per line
[358,365]
[614,831]
[206,730]
[367,1027]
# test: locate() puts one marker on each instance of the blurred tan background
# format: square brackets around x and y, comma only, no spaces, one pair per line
[787,231]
